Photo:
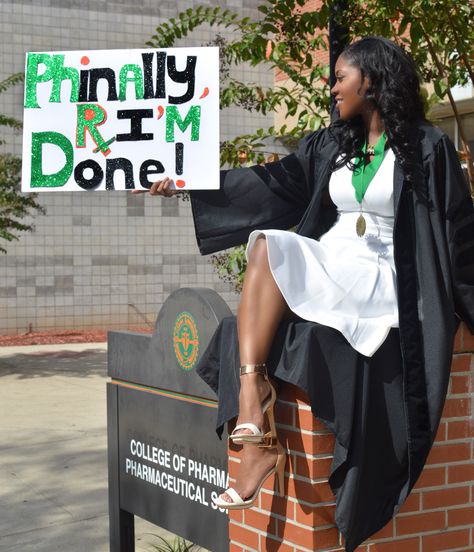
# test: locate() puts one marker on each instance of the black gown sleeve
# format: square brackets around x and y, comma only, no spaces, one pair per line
[273,195]
[459,228]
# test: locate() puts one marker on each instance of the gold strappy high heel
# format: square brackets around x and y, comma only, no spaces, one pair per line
[257,436]
[238,503]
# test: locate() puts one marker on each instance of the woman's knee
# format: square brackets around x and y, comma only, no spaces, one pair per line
[258,253]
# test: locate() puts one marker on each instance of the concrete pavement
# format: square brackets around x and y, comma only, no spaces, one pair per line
[53,451]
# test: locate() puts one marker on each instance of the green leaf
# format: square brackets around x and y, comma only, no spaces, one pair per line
[440,87]
[416,32]
[269,28]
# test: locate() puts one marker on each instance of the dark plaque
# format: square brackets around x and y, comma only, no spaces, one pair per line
[166,462]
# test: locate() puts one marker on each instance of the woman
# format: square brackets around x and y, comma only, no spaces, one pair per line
[381,264]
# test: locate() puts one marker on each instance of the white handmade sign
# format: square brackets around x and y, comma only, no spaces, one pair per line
[121,119]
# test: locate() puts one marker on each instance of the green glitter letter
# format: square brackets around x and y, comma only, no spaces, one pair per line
[33,78]
[193,118]
[40,180]
[61,73]
[89,117]
[137,78]
[54,70]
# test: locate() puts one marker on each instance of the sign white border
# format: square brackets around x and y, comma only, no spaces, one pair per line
[200,161]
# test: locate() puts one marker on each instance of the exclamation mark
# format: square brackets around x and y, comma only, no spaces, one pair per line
[179,147]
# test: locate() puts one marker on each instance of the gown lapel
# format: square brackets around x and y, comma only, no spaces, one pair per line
[398,180]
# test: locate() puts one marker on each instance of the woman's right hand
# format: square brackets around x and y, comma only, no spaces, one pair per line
[160,187]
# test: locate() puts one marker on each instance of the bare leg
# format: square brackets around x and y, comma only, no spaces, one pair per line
[260,311]
[261,308]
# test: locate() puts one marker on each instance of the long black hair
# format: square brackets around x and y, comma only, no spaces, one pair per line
[394,91]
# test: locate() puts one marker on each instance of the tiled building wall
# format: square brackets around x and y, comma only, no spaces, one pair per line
[103,259]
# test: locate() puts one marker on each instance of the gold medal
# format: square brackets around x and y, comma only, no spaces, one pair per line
[360,225]
[364,173]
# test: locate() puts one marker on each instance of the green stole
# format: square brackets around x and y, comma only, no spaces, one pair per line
[363,175]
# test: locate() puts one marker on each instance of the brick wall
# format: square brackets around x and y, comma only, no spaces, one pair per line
[437,515]
[319,56]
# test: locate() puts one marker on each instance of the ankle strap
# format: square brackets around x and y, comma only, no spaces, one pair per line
[249,368]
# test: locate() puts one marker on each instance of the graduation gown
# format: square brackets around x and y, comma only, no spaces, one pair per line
[384,410]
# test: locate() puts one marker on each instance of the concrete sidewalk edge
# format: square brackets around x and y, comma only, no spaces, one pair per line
[8,350]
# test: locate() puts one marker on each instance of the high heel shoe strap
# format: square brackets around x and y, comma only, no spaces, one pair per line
[268,441]
[249,368]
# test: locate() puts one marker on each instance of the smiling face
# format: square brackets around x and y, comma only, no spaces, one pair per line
[349,89]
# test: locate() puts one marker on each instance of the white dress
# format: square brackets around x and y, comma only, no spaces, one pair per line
[342,280]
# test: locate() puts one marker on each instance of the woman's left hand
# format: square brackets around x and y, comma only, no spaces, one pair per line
[160,187]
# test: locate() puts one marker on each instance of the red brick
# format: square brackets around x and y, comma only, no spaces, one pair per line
[458,340]
[236,516]
[315,516]
[243,536]
[270,544]
[303,536]
[446,540]
[468,339]
[401,545]
[309,443]
[460,429]
[320,56]
[306,537]
[314,493]
[461,516]
[441,454]
[258,520]
[284,414]
[312,468]
[441,432]
[234,452]
[291,393]
[420,523]
[461,363]
[412,503]
[461,384]
[460,473]
[445,497]
[306,420]
[279,505]
[431,477]
[454,408]
[327,537]
[235,548]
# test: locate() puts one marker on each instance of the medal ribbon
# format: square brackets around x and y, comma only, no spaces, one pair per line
[363,174]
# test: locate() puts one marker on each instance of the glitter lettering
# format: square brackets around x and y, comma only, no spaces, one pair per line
[136,78]
[193,118]
[59,178]
[187,76]
[89,117]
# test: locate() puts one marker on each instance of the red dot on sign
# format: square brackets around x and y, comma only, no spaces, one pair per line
[85,60]
[89,114]
[180,183]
